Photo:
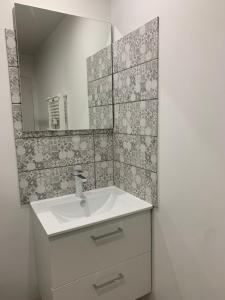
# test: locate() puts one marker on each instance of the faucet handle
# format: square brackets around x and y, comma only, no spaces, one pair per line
[81,178]
[77,171]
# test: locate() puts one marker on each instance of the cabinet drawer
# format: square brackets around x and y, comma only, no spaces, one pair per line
[80,253]
[126,281]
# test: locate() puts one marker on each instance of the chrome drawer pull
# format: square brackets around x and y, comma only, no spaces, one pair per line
[100,286]
[97,238]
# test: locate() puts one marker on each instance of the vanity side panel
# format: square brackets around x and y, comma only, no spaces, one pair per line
[76,254]
[42,253]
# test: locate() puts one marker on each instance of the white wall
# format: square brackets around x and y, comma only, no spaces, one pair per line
[17,272]
[189,226]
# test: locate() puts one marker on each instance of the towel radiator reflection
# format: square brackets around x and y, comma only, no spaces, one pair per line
[57,112]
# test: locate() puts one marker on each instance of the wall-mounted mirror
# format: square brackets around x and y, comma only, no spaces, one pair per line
[65,70]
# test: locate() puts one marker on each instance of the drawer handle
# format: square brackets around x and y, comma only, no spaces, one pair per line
[100,286]
[97,238]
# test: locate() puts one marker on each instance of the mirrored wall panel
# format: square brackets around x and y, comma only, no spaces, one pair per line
[65,67]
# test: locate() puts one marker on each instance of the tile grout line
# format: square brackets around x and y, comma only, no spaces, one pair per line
[142,135]
[137,65]
[111,104]
[63,135]
[100,78]
[95,179]
[54,136]
[141,100]
[122,162]
[133,134]
[113,108]
[60,167]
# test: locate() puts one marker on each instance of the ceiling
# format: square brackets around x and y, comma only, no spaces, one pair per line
[33,26]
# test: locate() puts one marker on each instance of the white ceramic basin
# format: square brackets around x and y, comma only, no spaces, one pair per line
[62,214]
[96,203]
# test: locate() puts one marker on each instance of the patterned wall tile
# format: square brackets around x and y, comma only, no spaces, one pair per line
[135,68]
[103,147]
[137,47]
[101,117]
[46,158]
[137,117]
[14,84]
[11,48]
[100,91]
[138,83]
[51,153]
[139,182]
[48,183]
[104,173]
[17,120]
[136,150]
[44,153]
[100,64]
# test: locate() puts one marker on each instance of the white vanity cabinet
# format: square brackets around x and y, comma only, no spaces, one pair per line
[106,261]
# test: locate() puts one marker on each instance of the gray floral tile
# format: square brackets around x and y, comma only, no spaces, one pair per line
[44,153]
[11,47]
[100,92]
[101,117]
[136,181]
[14,84]
[100,64]
[138,83]
[17,120]
[103,147]
[137,117]
[136,150]
[46,159]
[48,183]
[136,47]
[104,173]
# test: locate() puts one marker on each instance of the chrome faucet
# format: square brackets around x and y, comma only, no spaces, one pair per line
[79,181]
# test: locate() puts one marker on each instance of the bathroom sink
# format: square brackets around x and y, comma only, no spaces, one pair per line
[62,214]
[96,203]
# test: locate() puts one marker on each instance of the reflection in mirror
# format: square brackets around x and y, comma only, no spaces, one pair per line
[65,70]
